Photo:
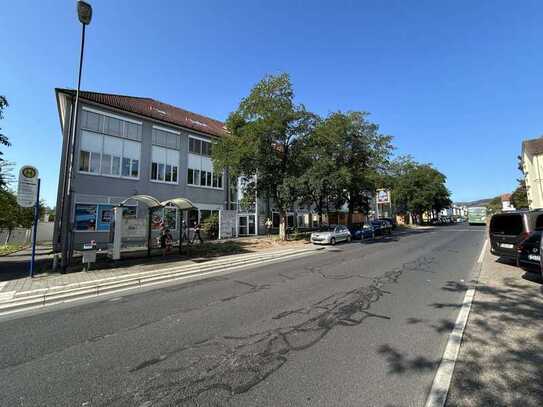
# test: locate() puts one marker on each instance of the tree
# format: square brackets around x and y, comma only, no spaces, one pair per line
[346,154]
[365,153]
[421,188]
[495,205]
[3,140]
[264,145]
[323,178]
[519,197]
[12,215]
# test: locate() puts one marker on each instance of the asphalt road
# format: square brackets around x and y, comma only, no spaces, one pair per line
[355,325]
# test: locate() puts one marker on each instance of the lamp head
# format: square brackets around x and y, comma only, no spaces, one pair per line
[84,12]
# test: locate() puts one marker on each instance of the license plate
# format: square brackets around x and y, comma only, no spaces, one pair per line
[534,257]
[507,245]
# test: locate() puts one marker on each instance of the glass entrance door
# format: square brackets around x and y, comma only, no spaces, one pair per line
[247,225]
[252,229]
[243,225]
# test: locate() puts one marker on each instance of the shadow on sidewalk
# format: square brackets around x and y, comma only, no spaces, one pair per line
[501,357]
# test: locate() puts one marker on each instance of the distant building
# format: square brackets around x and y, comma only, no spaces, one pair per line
[506,203]
[532,166]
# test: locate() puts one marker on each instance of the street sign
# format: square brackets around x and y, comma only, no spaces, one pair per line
[27,188]
[383,196]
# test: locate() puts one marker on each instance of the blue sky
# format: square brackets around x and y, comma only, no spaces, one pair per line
[457,83]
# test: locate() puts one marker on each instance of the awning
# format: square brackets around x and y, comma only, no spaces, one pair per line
[180,203]
[147,200]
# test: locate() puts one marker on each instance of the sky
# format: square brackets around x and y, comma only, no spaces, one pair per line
[456,83]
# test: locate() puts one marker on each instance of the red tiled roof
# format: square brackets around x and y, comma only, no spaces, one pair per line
[506,197]
[156,110]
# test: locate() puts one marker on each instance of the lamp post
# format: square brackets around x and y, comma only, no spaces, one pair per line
[84,13]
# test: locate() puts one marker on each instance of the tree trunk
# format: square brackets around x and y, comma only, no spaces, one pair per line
[350,214]
[283,225]
[8,237]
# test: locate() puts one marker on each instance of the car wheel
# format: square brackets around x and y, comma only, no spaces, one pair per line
[333,241]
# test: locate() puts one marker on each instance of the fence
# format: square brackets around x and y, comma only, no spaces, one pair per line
[24,236]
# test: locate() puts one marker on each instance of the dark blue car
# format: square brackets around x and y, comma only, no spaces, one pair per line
[361,232]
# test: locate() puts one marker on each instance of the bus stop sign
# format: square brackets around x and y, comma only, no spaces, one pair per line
[27,188]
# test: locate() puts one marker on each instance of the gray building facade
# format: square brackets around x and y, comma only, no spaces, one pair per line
[126,146]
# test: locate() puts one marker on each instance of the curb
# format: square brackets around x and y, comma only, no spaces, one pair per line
[56,295]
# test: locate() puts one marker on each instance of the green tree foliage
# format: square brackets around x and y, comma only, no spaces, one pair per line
[3,141]
[321,183]
[211,226]
[343,158]
[495,205]
[420,188]
[519,197]
[264,141]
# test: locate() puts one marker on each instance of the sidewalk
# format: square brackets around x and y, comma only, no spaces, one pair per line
[501,357]
[50,288]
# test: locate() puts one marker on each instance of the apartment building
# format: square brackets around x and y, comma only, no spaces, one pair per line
[532,167]
[125,146]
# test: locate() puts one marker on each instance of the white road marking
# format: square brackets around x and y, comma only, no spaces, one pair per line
[483,251]
[443,377]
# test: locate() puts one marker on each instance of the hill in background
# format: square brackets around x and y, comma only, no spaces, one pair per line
[480,202]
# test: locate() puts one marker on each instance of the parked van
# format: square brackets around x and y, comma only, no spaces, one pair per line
[508,229]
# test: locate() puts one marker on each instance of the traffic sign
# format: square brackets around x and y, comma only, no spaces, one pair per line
[27,188]
[383,196]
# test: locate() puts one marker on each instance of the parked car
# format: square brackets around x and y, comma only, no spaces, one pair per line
[528,252]
[331,235]
[381,227]
[391,220]
[361,231]
[508,229]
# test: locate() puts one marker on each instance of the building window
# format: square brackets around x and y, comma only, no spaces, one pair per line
[110,124]
[192,218]
[166,138]
[200,147]
[164,164]
[200,167]
[101,154]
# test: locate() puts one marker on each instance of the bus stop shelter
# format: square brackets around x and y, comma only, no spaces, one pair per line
[152,204]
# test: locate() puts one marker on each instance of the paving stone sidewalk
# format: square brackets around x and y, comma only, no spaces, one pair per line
[55,279]
[501,356]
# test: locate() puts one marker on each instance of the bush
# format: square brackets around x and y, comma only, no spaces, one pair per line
[210,226]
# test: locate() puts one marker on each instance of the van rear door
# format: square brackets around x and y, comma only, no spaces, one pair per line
[506,231]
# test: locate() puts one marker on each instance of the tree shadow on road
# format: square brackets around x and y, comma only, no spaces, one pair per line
[501,358]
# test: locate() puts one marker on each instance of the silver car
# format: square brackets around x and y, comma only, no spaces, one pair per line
[331,235]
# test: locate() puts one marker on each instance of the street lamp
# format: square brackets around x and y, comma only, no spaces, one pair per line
[84,13]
